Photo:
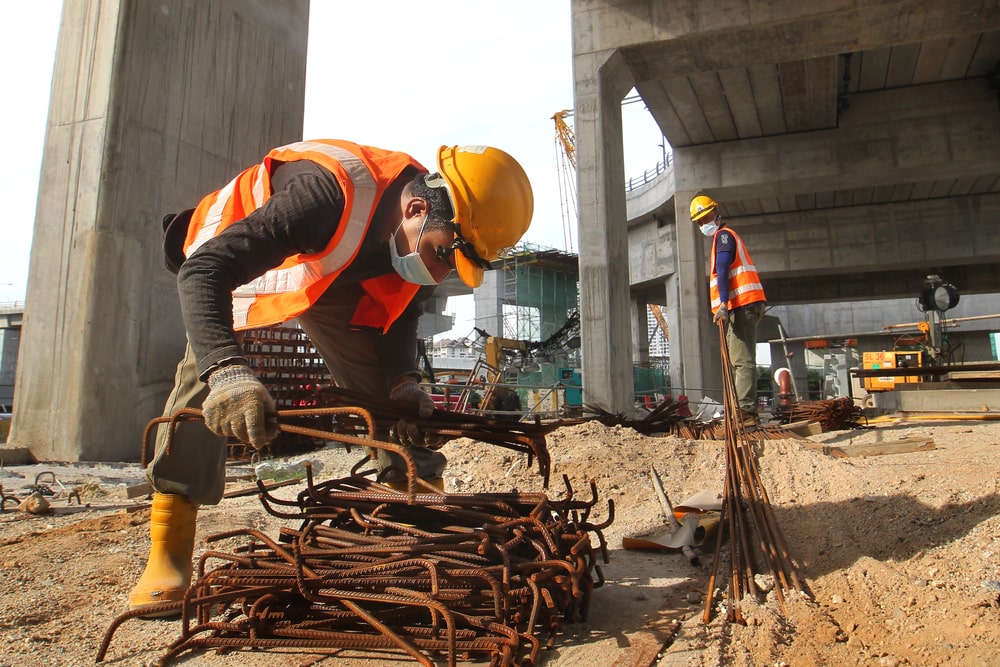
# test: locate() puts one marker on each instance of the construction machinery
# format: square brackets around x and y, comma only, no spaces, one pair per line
[660,319]
[566,156]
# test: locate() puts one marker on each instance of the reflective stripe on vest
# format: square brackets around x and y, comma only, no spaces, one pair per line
[289,289]
[744,282]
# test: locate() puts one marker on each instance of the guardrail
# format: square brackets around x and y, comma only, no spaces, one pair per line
[650,174]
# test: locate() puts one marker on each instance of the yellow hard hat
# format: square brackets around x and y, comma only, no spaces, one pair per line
[702,206]
[493,204]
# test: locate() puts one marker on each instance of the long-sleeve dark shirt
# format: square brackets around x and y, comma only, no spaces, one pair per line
[302,215]
[724,247]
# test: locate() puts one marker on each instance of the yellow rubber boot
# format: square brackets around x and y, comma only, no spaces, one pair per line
[168,570]
[401,485]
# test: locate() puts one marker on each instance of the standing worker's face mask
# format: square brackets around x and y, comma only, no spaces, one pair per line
[410,267]
[709,228]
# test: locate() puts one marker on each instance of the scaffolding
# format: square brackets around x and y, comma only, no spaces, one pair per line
[541,288]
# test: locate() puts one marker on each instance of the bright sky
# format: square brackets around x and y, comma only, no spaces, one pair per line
[394,74]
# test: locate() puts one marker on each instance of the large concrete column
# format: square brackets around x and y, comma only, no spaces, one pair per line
[153,105]
[601,81]
[640,332]
[696,347]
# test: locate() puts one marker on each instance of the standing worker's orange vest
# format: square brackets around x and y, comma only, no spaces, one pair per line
[288,290]
[744,283]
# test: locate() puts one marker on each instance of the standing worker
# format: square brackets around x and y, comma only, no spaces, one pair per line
[738,301]
[346,239]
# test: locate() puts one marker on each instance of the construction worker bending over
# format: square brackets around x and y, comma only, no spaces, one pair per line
[346,239]
[737,300]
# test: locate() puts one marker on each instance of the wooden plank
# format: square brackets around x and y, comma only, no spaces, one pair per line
[137,490]
[882,448]
[804,428]
[972,375]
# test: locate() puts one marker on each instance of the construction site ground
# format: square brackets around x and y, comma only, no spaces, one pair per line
[900,553]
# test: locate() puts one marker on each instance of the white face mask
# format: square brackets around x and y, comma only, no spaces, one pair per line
[709,228]
[411,267]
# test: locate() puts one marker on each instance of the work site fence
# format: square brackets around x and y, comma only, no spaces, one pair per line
[543,401]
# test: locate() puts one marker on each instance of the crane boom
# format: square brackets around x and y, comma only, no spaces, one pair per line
[566,149]
[565,135]
[660,319]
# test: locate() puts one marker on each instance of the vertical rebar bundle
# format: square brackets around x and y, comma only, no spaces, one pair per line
[746,513]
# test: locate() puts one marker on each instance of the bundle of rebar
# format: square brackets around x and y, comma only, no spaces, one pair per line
[661,419]
[421,573]
[746,513]
[673,417]
[837,414]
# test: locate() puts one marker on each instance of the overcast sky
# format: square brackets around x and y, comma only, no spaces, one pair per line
[447,72]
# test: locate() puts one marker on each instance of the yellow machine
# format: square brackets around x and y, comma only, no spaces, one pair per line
[495,347]
[897,359]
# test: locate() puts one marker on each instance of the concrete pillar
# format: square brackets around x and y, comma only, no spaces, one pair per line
[489,309]
[671,287]
[696,346]
[153,105]
[601,81]
[640,332]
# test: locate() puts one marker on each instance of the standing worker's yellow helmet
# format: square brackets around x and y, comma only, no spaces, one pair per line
[493,204]
[702,206]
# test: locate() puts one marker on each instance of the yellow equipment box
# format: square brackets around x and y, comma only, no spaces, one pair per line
[875,360]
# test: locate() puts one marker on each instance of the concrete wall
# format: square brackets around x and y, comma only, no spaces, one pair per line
[10,340]
[153,105]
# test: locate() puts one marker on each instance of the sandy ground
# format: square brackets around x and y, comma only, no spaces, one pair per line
[900,554]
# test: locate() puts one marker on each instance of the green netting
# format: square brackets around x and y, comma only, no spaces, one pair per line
[546,294]
[648,381]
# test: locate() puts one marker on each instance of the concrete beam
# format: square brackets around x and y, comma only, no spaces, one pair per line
[939,131]
[879,237]
[666,40]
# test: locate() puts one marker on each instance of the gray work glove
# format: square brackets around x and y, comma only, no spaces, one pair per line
[406,389]
[722,314]
[239,406]
[409,391]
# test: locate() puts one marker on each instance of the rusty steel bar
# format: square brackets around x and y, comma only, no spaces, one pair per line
[412,573]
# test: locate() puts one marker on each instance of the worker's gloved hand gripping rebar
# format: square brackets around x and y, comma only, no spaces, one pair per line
[722,314]
[239,406]
[406,389]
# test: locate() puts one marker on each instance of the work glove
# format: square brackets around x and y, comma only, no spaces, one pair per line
[409,391]
[239,406]
[722,314]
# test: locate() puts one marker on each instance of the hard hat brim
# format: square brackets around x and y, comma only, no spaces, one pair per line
[469,271]
[703,214]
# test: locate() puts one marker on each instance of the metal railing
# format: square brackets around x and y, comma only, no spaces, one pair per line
[649,175]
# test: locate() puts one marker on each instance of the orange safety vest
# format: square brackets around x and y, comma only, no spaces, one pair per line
[744,283]
[290,289]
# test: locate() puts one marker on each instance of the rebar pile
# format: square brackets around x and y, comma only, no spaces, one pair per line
[520,436]
[674,418]
[837,414]
[662,419]
[746,513]
[425,574]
